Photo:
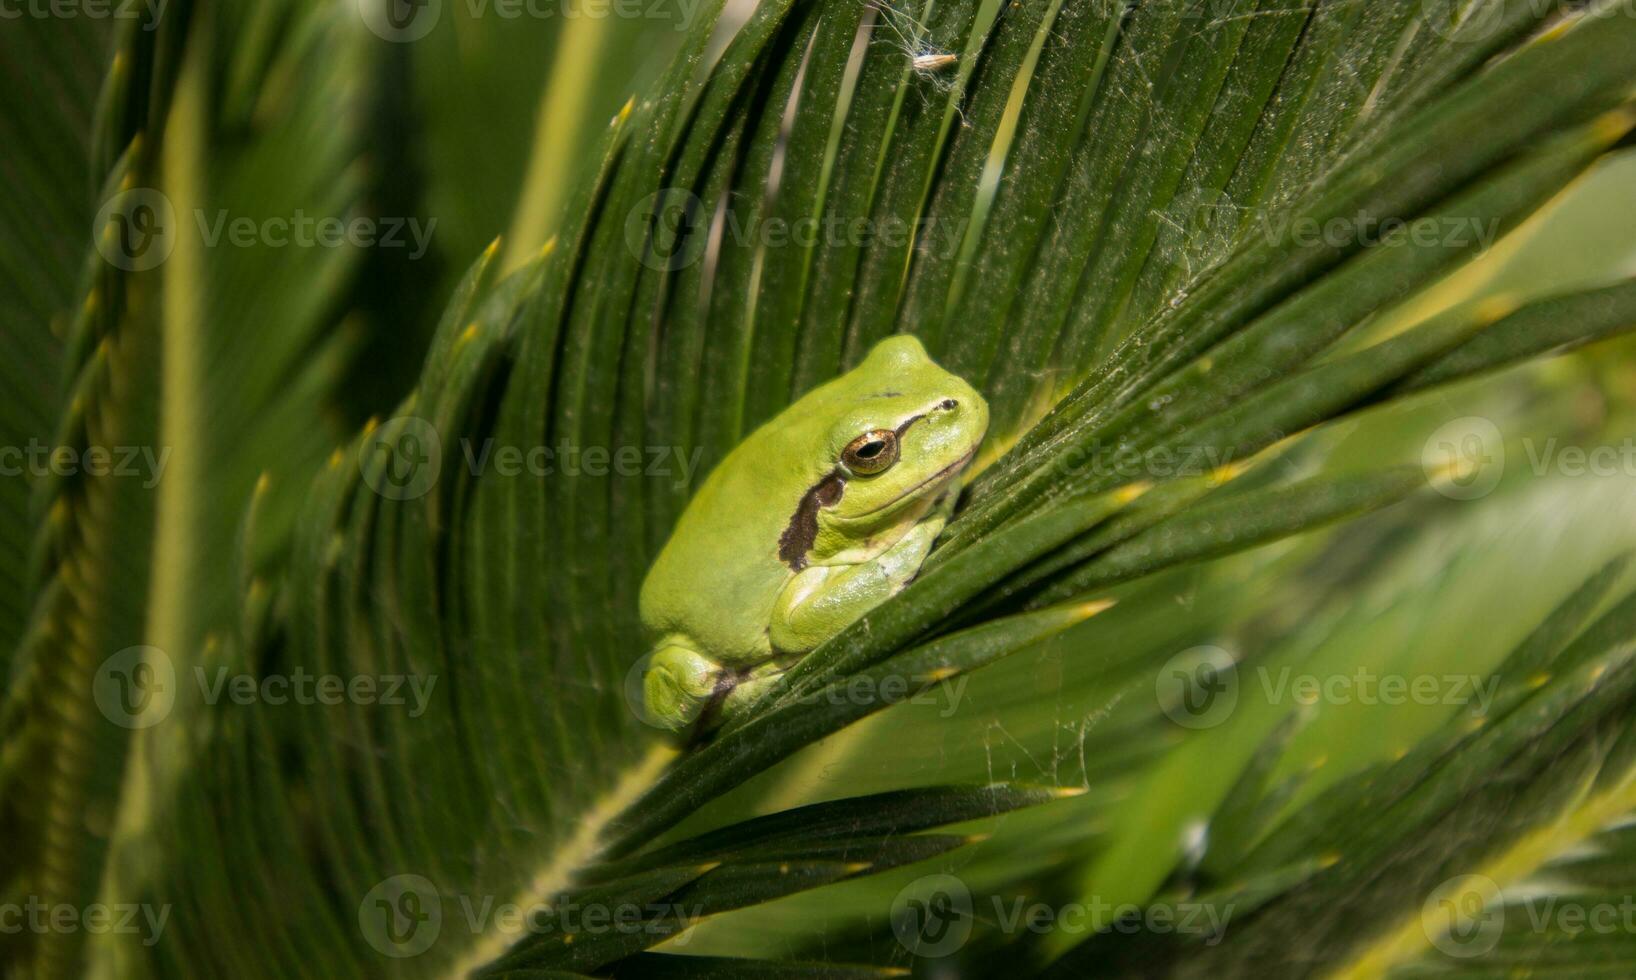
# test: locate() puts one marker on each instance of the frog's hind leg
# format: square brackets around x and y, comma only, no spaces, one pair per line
[680,682]
[748,687]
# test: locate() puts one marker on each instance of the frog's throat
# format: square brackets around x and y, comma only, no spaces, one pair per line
[795,544]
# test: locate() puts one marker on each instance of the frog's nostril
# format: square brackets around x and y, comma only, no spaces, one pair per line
[948,404]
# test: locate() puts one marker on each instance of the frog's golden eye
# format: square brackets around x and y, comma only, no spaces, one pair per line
[873,452]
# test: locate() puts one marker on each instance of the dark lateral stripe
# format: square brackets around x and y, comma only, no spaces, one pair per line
[802,531]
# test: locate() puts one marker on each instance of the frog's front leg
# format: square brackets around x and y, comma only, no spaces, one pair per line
[822,600]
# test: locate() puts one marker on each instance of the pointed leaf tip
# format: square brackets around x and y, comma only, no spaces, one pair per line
[1132,491]
[1612,126]
[1085,610]
[1497,308]
[1228,472]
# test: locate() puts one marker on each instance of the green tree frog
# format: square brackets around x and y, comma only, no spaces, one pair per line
[814,519]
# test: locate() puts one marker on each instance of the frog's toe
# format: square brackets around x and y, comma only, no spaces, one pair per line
[678,684]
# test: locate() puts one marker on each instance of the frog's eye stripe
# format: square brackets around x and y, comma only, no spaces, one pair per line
[873,452]
[802,530]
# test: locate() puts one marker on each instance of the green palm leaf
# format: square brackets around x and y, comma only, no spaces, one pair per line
[1096,212]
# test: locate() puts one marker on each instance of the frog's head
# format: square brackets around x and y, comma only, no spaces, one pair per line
[901,436]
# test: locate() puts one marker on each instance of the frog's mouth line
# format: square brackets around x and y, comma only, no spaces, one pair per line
[941,475]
